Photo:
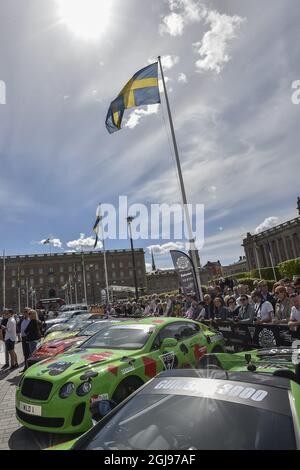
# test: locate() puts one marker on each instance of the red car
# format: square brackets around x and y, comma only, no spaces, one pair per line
[59,346]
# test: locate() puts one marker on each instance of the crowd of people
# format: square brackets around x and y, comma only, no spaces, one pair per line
[223,301]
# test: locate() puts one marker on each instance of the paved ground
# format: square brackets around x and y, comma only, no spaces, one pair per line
[12,434]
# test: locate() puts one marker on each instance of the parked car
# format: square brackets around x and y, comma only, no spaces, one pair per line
[61,394]
[189,410]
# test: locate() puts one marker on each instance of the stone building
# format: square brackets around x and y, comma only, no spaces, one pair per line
[60,274]
[281,243]
[240,266]
[161,281]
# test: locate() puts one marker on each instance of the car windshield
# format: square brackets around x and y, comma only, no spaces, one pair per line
[168,422]
[120,337]
[93,328]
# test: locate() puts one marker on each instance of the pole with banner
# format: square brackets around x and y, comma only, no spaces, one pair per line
[4,281]
[182,187]
[104,257]
[185,269]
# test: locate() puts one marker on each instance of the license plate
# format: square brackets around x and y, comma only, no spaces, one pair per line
[30,409]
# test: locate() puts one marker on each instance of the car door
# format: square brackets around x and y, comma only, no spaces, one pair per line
[177,357]
[193,343]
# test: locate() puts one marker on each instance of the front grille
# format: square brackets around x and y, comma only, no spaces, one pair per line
[36,389]
[78,414]
[40,421]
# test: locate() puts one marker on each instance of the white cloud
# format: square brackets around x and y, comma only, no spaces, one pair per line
[182,78]
[182,13]
[83,242]
[136,115]
[173,24]
[213,48]
[168,61]
[268,223]
[148,267]
[55,242]
[165,248]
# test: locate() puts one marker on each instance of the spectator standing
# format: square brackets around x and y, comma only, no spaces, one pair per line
[10,338]
[294,322]
[246,312]
[220,311]
[32,331]
[283,305]
[263,309]
[3,325]
[266,295]
[232,308]
[23,325]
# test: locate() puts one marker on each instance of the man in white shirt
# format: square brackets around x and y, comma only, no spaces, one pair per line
[264,311]
[10,339]
[295,313]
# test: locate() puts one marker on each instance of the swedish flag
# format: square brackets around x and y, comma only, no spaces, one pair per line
[141,90]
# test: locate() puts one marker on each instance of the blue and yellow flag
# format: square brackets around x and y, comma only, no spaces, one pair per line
[141,90]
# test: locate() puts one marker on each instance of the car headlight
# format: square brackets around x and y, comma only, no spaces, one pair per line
[84,389]
[66,390]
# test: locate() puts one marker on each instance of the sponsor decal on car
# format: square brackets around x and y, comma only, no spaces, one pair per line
[95,398]
[168,360]
[127,370]
[58,368]
[97,357]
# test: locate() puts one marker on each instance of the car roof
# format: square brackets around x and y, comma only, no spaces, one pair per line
[246,377]
[240,389]
[155,321]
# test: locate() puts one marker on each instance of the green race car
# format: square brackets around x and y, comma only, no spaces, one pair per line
[63,394]
[278,361]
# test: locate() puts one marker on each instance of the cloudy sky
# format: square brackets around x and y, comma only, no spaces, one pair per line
[229,66]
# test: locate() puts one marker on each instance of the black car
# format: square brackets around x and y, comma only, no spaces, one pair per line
[199,410]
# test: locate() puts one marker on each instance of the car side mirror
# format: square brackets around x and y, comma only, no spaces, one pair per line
[168,343]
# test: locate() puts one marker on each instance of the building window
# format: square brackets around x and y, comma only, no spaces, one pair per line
[70,269]
[61,269]
[22,282]
[114,275]
[62,279]
[96,267]
[140,272]
[97,276]
[41,271]
[31,281]
[41,281]
[22,272]
[51,279]
[31,272]
[138,263]
[51,270]
[130,264]
[13,283]
[88,277]
[121,273]
[79,277]
[13,273]
[130,273]
[113,265]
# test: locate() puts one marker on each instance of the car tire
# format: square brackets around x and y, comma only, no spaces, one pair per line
[126,388]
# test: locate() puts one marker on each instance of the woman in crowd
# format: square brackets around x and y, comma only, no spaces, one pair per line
[232,307]
[283,305]
[220,311]
[32,331]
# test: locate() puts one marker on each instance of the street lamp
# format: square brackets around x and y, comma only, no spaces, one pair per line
[129,221]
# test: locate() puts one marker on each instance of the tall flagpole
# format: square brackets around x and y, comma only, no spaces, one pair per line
[84,274]
[19,291]
[183,192]
[4,279]
[104,256]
